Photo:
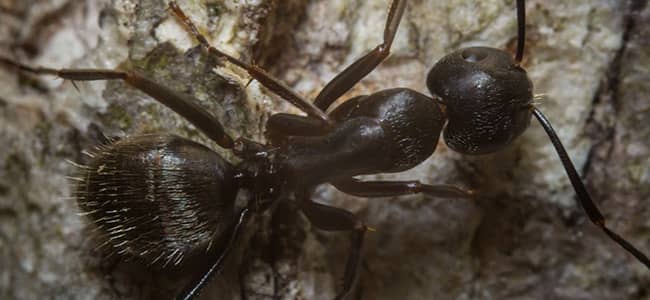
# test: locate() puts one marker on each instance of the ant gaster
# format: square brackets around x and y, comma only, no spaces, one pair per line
[160,198]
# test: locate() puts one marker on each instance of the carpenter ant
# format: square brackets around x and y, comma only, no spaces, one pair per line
[482,93]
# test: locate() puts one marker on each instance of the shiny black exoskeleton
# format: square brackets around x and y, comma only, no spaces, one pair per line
[161,198]
[487,95]
[158,198]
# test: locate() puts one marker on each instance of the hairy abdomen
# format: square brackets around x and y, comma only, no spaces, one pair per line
[157,198]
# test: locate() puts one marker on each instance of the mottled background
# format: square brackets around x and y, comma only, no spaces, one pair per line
[522,238]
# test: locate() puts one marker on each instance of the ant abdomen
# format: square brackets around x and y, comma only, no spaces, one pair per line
[487,95]
[157,198]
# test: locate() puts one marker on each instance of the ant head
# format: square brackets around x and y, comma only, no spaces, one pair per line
[487,95]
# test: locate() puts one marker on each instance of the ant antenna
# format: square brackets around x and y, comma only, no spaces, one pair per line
[521,29]
[585,200]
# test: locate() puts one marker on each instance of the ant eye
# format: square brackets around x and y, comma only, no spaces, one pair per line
[473,55]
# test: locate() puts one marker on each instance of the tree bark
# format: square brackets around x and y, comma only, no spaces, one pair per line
[524,237]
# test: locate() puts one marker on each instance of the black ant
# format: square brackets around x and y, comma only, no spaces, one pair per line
[161,198]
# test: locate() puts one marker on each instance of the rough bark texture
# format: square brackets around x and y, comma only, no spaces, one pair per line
[523,238]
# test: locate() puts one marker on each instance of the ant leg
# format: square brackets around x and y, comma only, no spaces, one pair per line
[584,199]
[184,105]
[281,125]
[398,188]
[193,290]
[345,80]
[271,83]
[284,125]
[242,284]
[289,124]
[330,218]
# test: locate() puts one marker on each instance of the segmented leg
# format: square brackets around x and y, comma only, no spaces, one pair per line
[345,80]
[271,83]
[330,218]
[280,126]
[242,287]
[184,105]
[193,290]
[398,188]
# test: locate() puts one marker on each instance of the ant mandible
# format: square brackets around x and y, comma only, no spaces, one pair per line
[482,93]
